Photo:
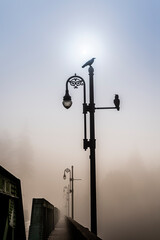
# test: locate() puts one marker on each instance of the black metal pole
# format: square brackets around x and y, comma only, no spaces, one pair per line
[77,81]
[72,179]
[92,153]
[68,199]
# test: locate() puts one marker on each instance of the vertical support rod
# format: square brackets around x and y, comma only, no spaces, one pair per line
[68,200]
[72,179]
[92,154]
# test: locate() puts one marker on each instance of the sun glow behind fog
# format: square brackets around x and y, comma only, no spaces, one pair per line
[82,47]
[86,49]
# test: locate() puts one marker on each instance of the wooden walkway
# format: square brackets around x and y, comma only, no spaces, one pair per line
[60,232]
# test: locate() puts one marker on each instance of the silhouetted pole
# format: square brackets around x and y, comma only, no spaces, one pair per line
[92,154]
[72,179]
[68,199]
[76,81]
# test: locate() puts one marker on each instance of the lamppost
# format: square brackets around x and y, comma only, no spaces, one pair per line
[76,81]
[71,179]
[67,170]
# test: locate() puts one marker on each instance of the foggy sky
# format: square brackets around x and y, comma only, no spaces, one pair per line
[42,44]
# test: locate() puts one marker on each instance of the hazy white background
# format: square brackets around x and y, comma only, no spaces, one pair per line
[42,43]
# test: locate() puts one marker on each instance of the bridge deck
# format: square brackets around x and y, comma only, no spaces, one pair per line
[61,232]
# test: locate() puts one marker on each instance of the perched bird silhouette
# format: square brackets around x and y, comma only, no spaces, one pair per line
[89,63]
[117,102]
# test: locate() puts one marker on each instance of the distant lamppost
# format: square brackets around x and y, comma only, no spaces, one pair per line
[67,170]
[71,179]
[76,81]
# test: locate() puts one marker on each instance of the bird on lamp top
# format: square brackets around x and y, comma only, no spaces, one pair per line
[89,63]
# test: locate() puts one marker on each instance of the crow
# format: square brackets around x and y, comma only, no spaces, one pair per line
[117,102]
[89,63]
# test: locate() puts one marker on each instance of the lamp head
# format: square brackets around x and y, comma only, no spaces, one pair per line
[67,101]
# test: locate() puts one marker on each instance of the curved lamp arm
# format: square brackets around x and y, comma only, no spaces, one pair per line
[76,81]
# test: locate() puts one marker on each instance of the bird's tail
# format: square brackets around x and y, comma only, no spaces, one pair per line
[83,65]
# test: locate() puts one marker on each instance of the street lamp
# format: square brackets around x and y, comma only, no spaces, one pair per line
[76,81]
[67,102]
[67,170]
[71,179]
